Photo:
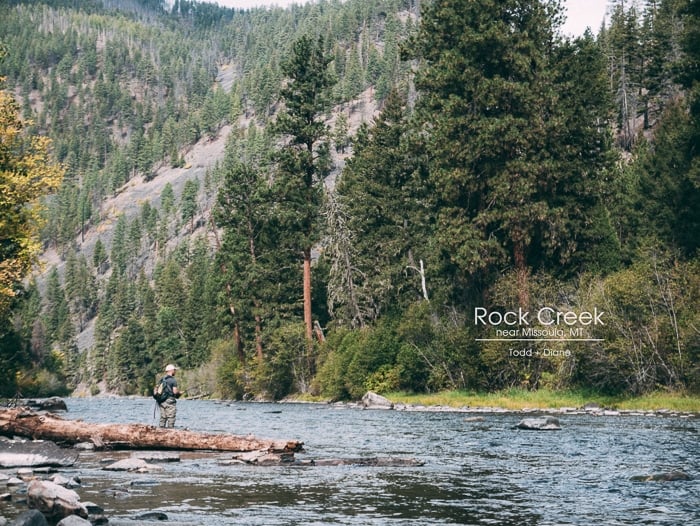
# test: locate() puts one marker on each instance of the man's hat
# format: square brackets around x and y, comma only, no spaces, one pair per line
[170,367]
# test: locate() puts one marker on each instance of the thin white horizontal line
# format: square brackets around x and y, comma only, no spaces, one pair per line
[539,339]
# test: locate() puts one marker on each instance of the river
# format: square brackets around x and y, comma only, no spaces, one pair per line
[474,472]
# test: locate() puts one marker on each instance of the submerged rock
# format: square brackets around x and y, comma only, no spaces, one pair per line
[669,476]
[151,516]
[545,423]
[369,461]
[30,518]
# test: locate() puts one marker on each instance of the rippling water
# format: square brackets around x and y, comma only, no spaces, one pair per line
[474,472]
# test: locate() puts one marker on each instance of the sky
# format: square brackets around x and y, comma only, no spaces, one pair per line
[580,13]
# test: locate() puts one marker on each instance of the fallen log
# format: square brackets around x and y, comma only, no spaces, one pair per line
[27,423]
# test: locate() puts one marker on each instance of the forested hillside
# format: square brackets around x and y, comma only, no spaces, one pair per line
[232,201]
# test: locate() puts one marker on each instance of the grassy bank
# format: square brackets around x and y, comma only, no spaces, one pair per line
[518,399]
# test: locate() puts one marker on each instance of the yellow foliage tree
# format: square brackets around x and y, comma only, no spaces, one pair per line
[27,172]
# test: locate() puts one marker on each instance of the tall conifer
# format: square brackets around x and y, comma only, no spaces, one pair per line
[303,160]
[491,107]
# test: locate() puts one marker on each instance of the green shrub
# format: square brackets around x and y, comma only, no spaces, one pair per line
[288,363]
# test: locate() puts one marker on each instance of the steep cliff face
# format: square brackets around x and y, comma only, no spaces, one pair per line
[124,88]
[141,102]
[199,159]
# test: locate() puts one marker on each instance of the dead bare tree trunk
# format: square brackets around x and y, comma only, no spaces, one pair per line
[308,322]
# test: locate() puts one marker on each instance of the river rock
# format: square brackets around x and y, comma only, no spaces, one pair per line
[157,456]
[65,482]
[30,518]
[264,458]
[46,404]
[33,454]
[54,501]
[133,464]
[669,476]
[26,474]
[93,509]
[374,401]
[545,423]
[74,520]
[152,516]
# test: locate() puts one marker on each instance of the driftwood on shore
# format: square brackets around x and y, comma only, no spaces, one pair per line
[27,423]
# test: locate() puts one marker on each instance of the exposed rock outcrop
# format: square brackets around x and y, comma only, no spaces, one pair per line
[544,423]
[374,401]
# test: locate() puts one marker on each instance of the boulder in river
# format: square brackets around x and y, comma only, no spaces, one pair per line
[544,423]
[264,458]
[157,456]
[133,464]
[374,401]
[54,501]
[33,454]
[45,404]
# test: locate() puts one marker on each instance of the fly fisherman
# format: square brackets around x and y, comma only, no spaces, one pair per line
[168,408]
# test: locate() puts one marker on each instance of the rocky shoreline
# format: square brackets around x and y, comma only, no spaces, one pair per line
[374,401]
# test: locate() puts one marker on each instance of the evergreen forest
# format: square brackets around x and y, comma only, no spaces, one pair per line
[347,196]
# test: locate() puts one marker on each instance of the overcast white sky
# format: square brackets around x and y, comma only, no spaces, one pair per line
[581,13]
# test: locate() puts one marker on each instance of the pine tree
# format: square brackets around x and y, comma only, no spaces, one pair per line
[256,270]
[490,104]
[303,159]
[188,201]
[99,257]
[379,222]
